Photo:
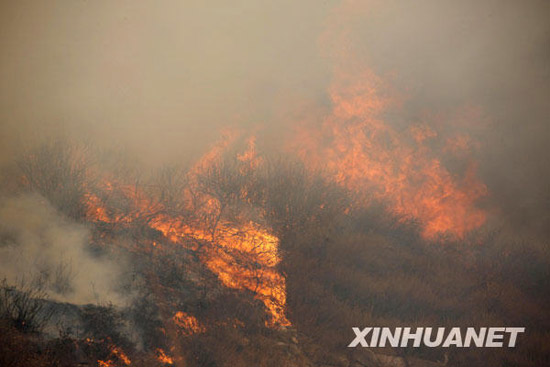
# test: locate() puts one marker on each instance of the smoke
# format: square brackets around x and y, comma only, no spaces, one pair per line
[38,246]
[475,68]
[159,80]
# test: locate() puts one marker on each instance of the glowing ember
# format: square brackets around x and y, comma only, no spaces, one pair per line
[163,358]
[116,358]
[188,324]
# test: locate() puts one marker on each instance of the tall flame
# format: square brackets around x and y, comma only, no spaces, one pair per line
[363,152]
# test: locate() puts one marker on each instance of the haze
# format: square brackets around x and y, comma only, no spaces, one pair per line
[159,80]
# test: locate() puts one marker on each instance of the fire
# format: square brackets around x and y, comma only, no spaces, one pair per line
[116,358]
[361,146]
[163,358]
[250,157]
[242,254]
[96,209]
[361,151]
[264,280]
[188,324]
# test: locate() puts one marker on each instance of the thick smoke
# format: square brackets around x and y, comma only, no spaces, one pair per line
[159,80]
[480,68]
[40,248]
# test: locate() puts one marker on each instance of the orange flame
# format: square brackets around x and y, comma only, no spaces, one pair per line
[163,357]
[364,153]
[116,355]
[188,324]
[226,241]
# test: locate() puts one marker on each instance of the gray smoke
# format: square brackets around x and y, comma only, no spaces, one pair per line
[160,79]
[38,246]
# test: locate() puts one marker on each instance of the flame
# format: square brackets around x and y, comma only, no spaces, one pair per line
[116,355]
[263,278]
[249,157]
[163,358]
[188,324]
[96,210]
[360,145]
[243,255]
[364,153]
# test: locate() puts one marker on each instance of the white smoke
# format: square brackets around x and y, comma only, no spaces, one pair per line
[37,244]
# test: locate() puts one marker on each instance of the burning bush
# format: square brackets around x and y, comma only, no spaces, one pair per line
[236,257]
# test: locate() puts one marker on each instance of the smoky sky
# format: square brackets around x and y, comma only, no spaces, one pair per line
[160,79]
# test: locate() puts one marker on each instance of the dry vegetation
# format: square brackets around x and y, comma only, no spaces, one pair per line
[345,265]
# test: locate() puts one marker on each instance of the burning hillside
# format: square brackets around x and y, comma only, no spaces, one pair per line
[243,255]
[363,152]
[244,243]
[234,251]
[243,184]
